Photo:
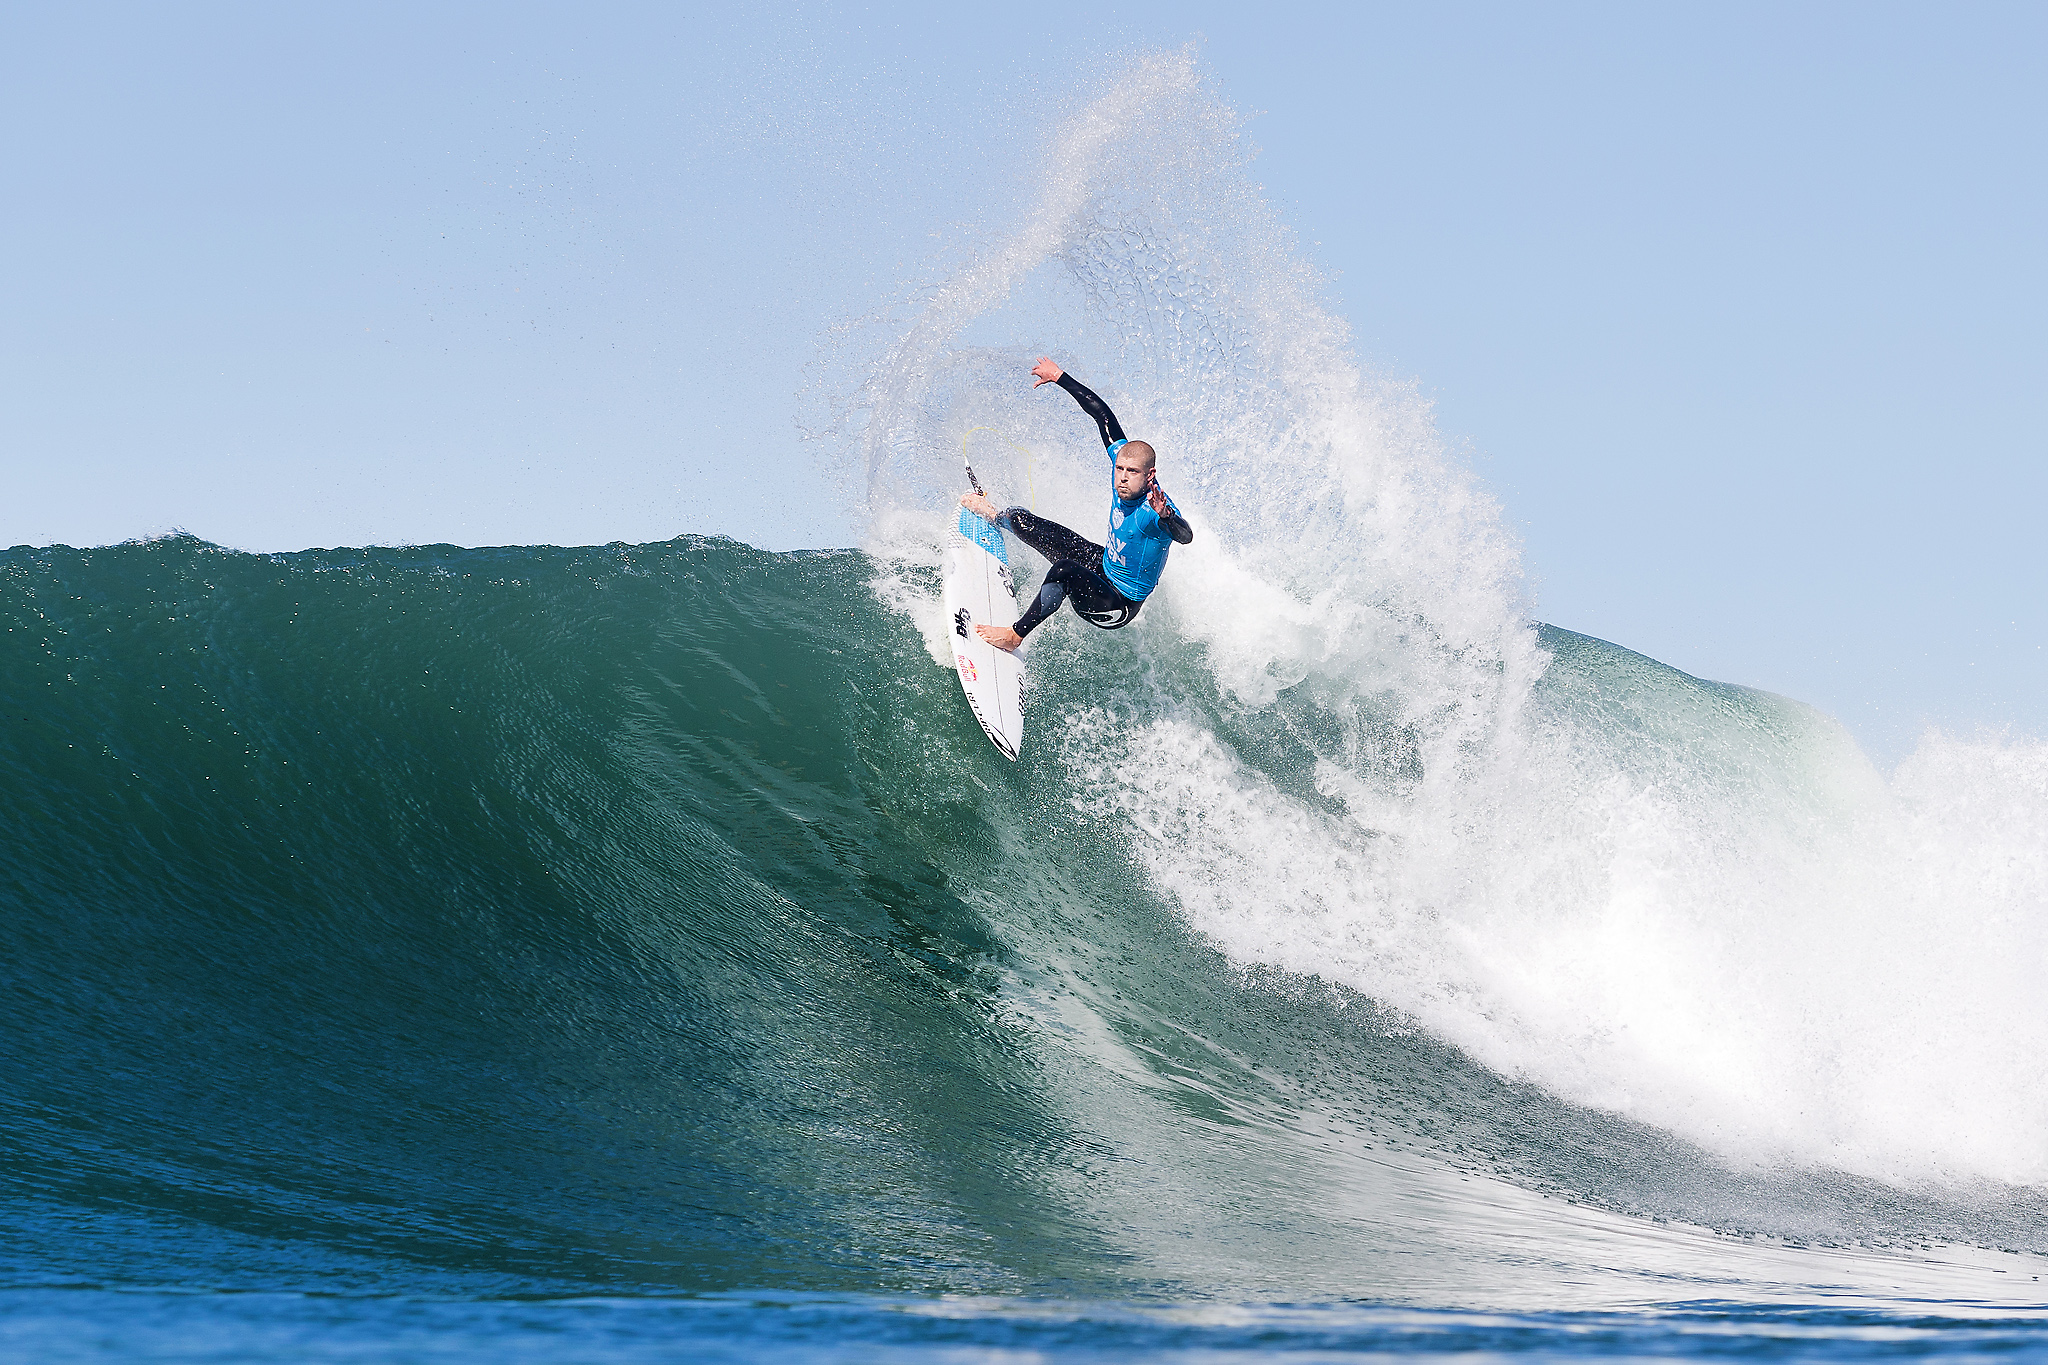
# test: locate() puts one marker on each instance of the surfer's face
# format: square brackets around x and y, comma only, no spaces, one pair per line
[1133,470]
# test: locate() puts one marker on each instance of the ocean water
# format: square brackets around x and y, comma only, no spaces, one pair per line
[636,952]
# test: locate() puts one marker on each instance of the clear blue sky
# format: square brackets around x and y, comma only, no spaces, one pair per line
[1739,311]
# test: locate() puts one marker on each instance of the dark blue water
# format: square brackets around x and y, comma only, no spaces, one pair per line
[67,1325]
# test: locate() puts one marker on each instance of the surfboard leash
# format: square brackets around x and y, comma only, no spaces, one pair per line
[1030,460]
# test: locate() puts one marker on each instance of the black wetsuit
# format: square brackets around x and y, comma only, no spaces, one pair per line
[1076,574]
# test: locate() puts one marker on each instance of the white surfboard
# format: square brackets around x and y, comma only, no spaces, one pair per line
[979,591]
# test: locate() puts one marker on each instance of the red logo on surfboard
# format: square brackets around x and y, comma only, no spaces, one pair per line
[967,668]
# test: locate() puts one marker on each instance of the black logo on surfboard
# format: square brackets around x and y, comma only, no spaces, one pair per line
[960,620]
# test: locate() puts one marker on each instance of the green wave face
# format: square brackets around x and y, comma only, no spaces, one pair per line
[657,917]
[534,913]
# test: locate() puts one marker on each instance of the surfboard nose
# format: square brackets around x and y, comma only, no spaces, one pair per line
[977,590]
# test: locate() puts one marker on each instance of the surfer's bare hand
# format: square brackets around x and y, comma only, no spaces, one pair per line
[980,506]
[1156,494]
[1002,637]
[1047,372]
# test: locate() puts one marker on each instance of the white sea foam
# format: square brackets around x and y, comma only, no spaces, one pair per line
[1691,904]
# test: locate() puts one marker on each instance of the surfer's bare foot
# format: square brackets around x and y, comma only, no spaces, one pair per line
[980,506]
[1002,637]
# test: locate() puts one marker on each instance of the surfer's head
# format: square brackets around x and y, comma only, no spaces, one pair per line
[1134,461]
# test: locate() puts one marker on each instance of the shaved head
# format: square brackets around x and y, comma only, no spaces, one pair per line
[1135,469]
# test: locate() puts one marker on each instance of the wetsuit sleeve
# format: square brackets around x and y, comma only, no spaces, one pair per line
[1177,526]
[1105,420]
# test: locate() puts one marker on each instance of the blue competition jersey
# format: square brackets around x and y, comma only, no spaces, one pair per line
[1135,554]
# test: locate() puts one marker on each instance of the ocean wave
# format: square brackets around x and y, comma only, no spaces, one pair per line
[655,917]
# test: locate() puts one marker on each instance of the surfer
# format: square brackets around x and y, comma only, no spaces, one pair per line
[1106,583]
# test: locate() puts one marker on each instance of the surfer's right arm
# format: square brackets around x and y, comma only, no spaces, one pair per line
[1105,420]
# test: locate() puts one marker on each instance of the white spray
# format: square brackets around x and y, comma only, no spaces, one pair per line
[1692,904]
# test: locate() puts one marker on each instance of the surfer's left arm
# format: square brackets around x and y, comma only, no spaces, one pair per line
[1169,516]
